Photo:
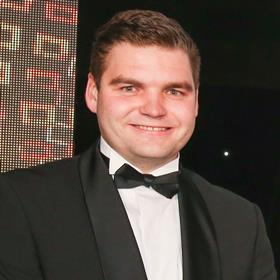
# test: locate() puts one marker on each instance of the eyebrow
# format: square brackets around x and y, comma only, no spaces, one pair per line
[125,80]
[184,85]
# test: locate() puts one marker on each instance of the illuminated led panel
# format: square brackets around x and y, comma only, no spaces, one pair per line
[37,81]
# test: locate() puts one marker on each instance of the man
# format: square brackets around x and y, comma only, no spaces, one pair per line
[96,217]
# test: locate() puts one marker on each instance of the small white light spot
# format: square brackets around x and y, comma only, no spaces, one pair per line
[226,154]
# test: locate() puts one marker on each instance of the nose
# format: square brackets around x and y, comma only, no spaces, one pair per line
[153,105]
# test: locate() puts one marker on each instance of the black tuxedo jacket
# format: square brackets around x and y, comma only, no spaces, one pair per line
[66,221]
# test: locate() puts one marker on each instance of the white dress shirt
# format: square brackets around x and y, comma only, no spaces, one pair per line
[154,219]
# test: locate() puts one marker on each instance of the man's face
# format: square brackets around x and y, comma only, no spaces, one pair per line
[146,104]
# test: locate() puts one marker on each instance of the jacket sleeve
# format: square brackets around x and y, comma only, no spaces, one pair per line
[263,264]
[18,257]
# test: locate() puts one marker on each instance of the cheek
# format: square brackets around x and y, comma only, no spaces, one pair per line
[183,114]
[120,107]
[105,107]
[110,111]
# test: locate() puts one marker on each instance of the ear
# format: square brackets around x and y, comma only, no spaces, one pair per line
[91,94]
[196,101]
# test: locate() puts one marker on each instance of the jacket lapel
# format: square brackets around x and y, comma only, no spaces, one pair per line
[199,244]
[118,250]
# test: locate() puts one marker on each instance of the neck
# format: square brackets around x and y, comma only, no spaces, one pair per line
[147,166]
[143,164]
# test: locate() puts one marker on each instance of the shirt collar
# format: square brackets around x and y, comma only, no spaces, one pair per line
[116,161]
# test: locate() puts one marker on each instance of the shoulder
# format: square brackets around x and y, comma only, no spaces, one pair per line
[239,227]
[236,220]
[46,170]
[211,191]
[222,203]
[50,177]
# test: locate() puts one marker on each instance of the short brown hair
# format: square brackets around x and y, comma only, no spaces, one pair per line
[141,28]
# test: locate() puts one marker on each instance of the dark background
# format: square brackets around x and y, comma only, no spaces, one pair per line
[239,43]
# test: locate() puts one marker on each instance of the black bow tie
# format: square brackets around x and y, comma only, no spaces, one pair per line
[127,177]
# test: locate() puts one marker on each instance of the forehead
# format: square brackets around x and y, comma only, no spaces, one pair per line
[148,61]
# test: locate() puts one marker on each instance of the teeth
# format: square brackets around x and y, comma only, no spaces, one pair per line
[151,128]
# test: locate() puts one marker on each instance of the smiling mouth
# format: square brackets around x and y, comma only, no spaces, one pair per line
[151,128]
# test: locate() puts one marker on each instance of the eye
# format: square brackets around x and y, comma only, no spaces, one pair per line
[174,92]
[128,88]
